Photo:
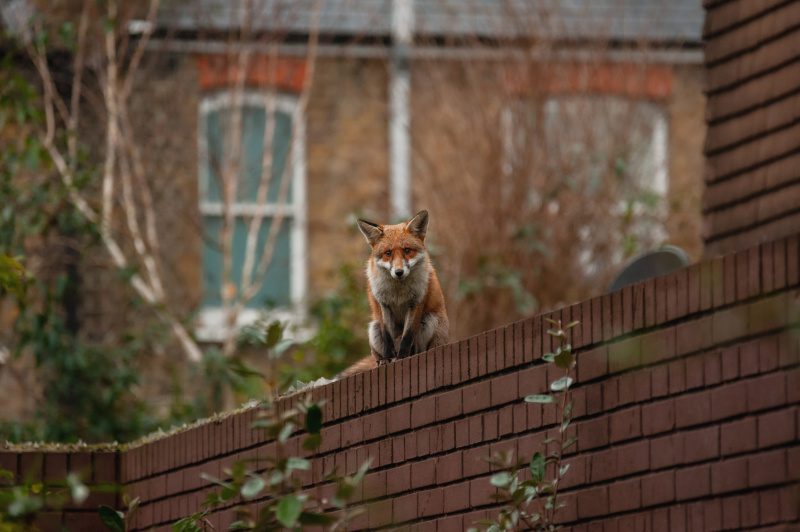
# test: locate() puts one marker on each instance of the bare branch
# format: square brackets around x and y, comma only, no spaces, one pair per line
[262,195]
[138,52]
[112,124]
[299,115]
[152,291]
[132,219]
[257,279]
[142,184]
[77,84]
[232,172]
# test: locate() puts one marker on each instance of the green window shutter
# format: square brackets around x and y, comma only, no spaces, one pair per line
[218,128]
[275,291]
[253,164]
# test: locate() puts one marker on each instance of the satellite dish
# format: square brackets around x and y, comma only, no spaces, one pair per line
[665,260]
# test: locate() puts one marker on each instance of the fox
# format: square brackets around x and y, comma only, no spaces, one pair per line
[404,293]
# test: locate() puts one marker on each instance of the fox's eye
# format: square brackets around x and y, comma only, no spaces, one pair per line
[387,253]
[406,250]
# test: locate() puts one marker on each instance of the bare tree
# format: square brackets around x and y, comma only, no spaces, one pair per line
[126,216]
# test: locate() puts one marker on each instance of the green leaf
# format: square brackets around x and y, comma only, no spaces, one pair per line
[288,510]
[283,346]
[549,503]
[561,384]
[12,276]
[539,398]
[189,523]
[565,359]
[312,442]
[563,470]
[228,493]
[569,443]
[297,463]
[501,479]
[359,476]
[537,467]
[571,324]
[274,334]
[111,518]
[252,487]
[286,432]
[77,488]
[275,478]
[549,357]
[344,491]
[314,419]
[262,424]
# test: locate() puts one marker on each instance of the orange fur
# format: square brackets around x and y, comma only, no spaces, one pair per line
[404,293]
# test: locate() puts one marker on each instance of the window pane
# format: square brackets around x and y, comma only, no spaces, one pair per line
[587,136]
[276,288]
[219,138]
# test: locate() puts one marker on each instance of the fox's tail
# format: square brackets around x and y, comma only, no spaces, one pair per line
[366,363]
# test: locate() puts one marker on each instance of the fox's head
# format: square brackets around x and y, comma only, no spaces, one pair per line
[397,248]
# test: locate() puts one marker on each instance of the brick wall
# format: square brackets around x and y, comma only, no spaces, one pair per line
[753,143]
[98,469]
[686,410]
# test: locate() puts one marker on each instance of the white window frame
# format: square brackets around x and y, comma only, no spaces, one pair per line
[210,323]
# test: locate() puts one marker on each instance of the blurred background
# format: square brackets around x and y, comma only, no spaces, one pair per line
[179,182]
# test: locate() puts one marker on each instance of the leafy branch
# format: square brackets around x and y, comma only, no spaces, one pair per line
[285,504]
[534,503]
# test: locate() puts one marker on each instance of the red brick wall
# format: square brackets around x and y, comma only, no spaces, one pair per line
[753,142]
[686,410]
[99,470]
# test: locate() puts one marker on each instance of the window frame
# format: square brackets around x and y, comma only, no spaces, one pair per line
[210,323]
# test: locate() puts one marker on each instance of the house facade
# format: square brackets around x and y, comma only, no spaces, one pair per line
[362,151]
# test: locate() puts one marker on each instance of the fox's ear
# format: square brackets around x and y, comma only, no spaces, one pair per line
[372,232]
[418,225]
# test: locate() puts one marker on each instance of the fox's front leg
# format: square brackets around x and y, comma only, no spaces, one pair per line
[382,335]
[410,329]
[381,341]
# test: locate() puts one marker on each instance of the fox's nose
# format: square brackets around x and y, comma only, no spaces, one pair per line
[398,273]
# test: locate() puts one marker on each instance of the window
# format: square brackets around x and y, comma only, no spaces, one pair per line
[283,289]
[592,143]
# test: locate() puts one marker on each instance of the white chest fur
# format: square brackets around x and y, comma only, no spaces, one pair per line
[399,295]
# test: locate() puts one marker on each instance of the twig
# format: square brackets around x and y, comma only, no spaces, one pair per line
[112,132]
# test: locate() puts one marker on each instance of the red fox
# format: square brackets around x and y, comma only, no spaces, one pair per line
[408,311]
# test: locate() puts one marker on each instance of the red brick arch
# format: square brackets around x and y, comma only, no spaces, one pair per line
[218,71]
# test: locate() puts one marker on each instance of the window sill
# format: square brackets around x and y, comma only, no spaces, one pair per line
[211,327]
